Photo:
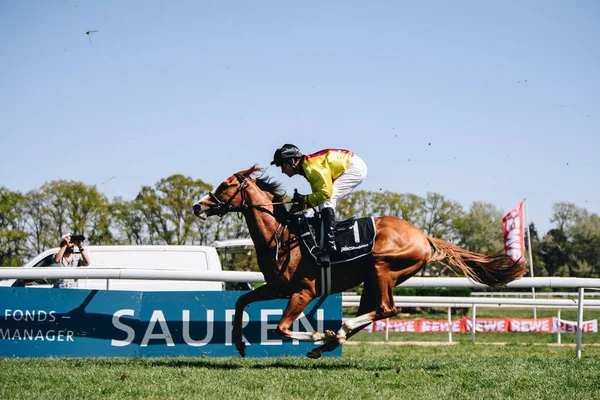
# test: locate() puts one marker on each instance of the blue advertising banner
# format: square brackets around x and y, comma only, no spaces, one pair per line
[99,323]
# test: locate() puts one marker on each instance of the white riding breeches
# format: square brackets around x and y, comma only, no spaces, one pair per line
[345,183]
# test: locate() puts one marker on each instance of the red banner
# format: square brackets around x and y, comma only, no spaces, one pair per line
[435,326]
[465,324]
[514,237]
[532,325]
[487,324]
[570,326]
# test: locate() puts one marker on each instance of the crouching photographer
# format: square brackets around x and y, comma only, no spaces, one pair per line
[67,257]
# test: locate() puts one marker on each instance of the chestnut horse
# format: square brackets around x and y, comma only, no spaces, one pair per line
[399,252]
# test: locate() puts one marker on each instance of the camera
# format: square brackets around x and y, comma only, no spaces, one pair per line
[77,238]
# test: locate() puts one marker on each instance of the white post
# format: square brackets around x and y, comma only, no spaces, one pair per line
[449,324]
[530,254]
[473,323]
[387,329]
[579,322]
[558,326]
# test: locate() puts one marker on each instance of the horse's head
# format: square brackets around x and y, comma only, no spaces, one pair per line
[227,197]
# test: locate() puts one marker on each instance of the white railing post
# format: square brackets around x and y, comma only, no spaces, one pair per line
[449,324]
[558,329]
[473,323]
[387,329]
[579,322]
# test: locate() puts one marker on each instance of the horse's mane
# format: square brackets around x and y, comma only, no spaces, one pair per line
[271,186]
[265,183]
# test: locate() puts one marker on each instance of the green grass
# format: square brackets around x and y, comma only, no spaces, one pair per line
[463,371]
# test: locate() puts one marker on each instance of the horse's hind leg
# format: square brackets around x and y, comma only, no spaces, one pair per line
[381,283]
[367,305]
[384,277]
[376,302]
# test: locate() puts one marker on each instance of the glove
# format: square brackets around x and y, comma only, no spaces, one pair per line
[299,200]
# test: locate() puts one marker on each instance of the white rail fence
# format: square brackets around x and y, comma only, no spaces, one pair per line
[475,303]
[241,276]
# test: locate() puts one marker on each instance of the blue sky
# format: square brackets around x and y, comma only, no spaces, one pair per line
[475,100]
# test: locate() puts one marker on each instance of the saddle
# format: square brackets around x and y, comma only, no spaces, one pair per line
[354,238]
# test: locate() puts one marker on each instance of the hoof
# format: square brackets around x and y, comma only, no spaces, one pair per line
[320,337]
[313,354]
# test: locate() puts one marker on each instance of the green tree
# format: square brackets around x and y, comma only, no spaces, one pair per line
[413,209]
[440,214]
[408,206]
[539,267]
[13,238]
[585,242]
[39,222]
[480,229]
[167,209]
[57,207]
[357,203]
[230,226]
[564,215]
[67,206]
[554,253]
[572,248]
[129,222]
[88,212]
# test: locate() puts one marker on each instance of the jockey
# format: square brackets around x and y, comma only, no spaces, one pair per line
[332,174]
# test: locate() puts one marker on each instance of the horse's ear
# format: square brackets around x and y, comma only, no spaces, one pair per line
[250,172]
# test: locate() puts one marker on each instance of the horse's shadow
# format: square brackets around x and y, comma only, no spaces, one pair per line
[238,364]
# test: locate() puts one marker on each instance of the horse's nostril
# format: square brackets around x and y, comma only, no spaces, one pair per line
[196,208]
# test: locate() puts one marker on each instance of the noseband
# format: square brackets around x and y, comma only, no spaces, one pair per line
[221,208]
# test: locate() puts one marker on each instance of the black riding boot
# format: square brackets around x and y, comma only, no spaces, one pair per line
[328,216]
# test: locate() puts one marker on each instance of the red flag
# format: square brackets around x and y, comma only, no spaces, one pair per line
[514,238]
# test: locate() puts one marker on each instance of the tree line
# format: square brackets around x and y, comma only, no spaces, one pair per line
[162,214]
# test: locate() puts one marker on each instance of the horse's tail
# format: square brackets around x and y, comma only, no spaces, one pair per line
[492,270]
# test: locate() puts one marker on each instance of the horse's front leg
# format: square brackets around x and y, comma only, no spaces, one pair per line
[262,293]
[350,328]
[333,344]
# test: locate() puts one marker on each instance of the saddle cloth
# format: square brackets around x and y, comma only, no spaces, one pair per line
[354,238]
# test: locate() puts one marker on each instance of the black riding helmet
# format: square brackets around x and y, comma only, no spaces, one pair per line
[285,153]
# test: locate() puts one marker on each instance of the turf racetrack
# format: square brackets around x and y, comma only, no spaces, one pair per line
[461,371]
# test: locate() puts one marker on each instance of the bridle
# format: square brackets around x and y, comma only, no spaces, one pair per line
[221,208]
